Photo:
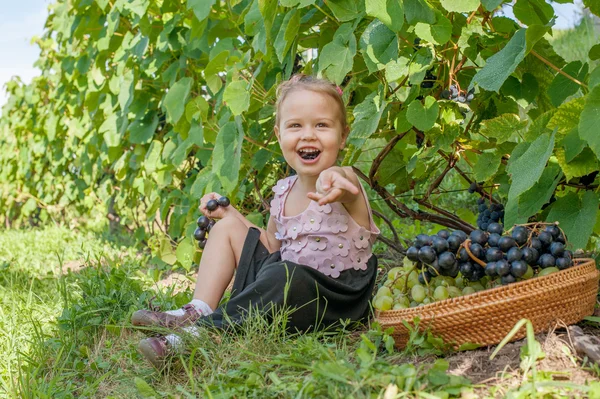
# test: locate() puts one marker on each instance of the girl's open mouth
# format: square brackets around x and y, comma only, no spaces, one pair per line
[309,154]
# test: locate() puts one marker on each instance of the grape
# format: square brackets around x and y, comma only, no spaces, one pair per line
[470,97]
[412,253]
[434,269]
[493,239]
[473,187]
[202,243]
[479,237]
[478,273]
[454,292]
[441,293]
[477,250]
[445,94]
[529,273]
[383,303]
[384,291]
[518,268]
[223,201]
[505,243]
[199,234]
[203,222]
[400,305]
[495,228]
[468,290]
[520,235]
[478,287]
[545,238]
[461,99]
[212,205]
[393,273]
[418,293]
[553,230]
[508,279]
[400,283]
[461,234]
[563,263]
[463,255]
[493,254]
[454,243]
[446,260]
[453,272]
[210,225]
[439,244]
[514,254]
[547,260]
[404,301]
[530,255]
[557,249]
[536,244]
[547,271]
[490,269]
[427,255]
[422,240]
[502,267]
[444,234]
[424,277]
[466,269]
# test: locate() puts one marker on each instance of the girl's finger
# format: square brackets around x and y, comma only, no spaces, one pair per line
[343,183]
[314,196]
[332,196]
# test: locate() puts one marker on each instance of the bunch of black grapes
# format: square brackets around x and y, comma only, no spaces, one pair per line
[437,253]
[429,80]
[489,214]
[519,255]
[205,224]
[454,94]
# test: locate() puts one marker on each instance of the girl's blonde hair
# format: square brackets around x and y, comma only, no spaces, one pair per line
[305,82]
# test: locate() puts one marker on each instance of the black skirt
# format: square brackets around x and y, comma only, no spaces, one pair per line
[265,283]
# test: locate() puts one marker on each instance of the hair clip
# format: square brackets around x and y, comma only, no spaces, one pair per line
[339,90]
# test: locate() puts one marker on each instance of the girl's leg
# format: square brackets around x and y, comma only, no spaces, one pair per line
[220,259]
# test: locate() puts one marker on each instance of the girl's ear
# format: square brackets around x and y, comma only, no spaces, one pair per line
[345,134]
[276,130]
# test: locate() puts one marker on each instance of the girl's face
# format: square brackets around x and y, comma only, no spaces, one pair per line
[310,131]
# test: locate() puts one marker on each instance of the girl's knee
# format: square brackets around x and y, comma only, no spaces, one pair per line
[228,223]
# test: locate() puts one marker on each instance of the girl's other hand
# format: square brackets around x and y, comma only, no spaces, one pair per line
[218,213]
[332,186]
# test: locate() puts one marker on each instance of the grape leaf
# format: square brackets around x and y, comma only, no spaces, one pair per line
[595,78]
[423,117]
[237,96]
[566,117]
[576,215]
[227,154]
[286,36]
[176,98]
[379,45]
[367,115]
[201,8]
[460,5]
[533,12]
[527,168]
[185,252]
[337,56]
[438,33]
[563,87]
[582,164]
[487,165]
[346,10]
[502,127]
[500,65]
[418,11]
[573,145]
[152,160]
[590,120]
[390,12]
[142,130]
[593,5]
[594,52]
[491,5]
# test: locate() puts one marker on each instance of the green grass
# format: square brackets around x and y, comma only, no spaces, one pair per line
[67,335]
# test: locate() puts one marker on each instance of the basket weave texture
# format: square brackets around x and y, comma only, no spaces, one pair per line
[486,317]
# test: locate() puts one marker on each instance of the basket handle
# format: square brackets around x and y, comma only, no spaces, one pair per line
[465,244]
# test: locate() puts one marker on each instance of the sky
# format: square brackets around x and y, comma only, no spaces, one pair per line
[20,20]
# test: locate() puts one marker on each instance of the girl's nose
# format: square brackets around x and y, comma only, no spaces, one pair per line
[308,133]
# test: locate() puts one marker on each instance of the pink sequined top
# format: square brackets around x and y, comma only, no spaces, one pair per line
[323,237]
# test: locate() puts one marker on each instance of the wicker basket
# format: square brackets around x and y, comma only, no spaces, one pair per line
[486,317]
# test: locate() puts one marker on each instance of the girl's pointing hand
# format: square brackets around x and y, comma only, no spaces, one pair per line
[332,186]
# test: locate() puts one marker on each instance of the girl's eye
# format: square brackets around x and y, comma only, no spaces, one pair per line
[294,125]
[321,124]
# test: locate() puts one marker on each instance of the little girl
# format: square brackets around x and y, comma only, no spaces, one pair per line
[315,256]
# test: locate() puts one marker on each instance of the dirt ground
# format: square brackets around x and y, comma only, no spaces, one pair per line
[560,362]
